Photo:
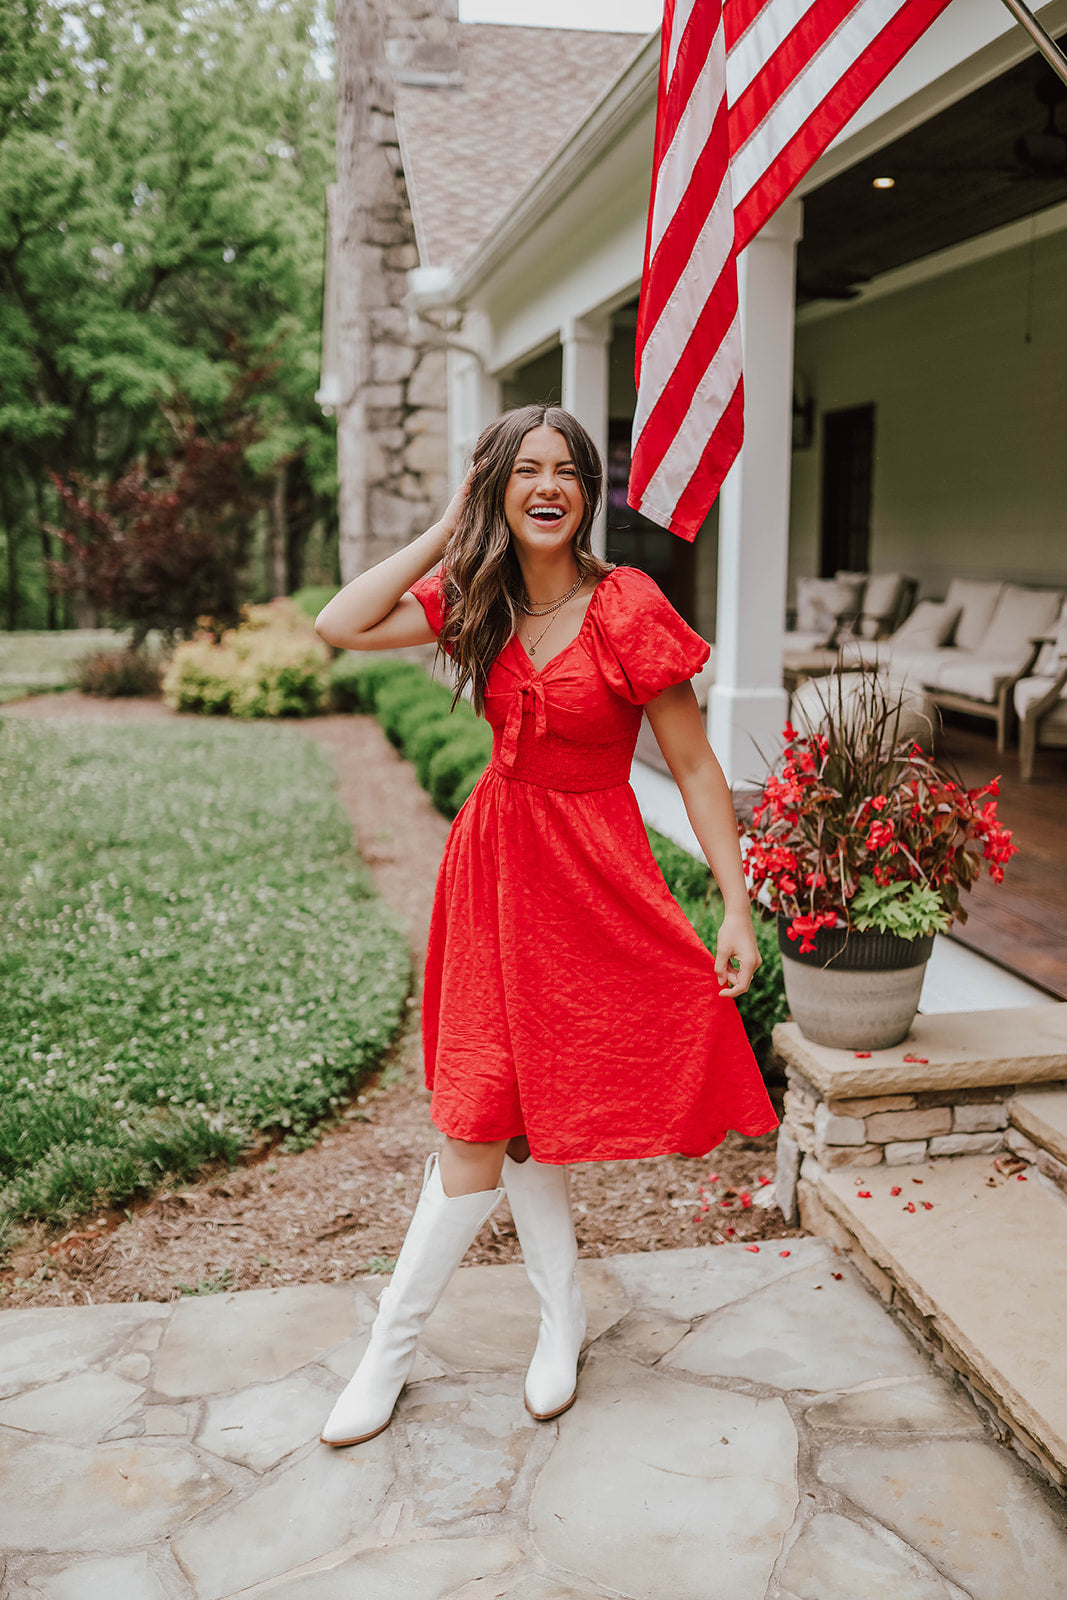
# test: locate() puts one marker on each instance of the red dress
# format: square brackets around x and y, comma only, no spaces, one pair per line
[567,997]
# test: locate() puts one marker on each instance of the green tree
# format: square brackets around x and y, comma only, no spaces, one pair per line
[162,169]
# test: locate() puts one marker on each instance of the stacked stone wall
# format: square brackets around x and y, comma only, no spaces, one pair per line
[392,422]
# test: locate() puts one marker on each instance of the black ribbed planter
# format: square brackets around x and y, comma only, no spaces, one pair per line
[854,991]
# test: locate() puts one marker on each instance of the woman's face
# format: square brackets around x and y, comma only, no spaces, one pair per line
[543,501]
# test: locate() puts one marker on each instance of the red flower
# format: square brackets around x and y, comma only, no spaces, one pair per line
[879,802]
[881,833]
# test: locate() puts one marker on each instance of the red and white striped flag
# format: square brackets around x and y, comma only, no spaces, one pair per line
[751,92]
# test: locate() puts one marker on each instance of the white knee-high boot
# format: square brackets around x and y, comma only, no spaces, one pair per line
[437,1239]
[539,1196]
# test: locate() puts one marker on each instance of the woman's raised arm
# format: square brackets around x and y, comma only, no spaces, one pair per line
[374,611]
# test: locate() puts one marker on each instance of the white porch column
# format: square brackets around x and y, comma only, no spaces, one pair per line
[473,394]
[586,347]
[747,705]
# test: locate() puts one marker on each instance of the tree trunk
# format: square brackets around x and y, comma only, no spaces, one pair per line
[47,553]
[277,535]
[11,536]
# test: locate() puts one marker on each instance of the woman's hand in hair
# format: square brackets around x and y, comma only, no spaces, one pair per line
[454,510]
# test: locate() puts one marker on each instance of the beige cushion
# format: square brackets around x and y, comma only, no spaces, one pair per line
[1053,657]
[820,601]
[800,643]
[1029,690]
[1020,615]
[929,626]
[917,667]
[974,599]
[866,652]
[977,676]
[882,596]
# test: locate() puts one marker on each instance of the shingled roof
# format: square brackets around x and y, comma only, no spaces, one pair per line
[471,148]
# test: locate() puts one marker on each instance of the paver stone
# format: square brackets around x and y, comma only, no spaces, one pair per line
[690,1283]
[966,1505]
[795,1336]
[835,1559]
[657,1487]
[114,1578]
[922,1405]
[43,1345]
[77,1408]
[305,1510]
[266,1422]
[215,1342]
[60,1496]
[426,1571]
[466,1454]
[487,1318]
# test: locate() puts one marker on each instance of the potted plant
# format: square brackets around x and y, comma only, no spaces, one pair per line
[861,843]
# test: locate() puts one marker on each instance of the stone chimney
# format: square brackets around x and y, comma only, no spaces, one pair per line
[389,387]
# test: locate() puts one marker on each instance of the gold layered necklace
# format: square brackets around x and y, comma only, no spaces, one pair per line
[549,611]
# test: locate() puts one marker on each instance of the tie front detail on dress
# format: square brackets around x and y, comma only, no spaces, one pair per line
[567,996]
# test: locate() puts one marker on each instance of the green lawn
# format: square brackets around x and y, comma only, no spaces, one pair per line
[37,662]
[190,951]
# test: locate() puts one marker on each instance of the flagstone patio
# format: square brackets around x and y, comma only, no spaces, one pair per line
[751,1425]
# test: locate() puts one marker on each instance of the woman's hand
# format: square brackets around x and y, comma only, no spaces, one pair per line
[736,942]
[454,510]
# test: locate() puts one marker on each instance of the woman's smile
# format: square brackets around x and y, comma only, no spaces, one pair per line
[543,501]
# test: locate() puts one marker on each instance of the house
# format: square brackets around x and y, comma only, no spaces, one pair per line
[904,340]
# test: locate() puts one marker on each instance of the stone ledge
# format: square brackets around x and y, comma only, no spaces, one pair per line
[960,1049]
[1042,1115]
[980,1273]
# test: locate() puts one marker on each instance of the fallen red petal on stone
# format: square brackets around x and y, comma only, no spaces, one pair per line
[916,1180]
[745,1199]
[919,1061]
[754,1248]
[863,1194]
[928,1205]
[729,1232]
[895,1189]
[783,1252]
[862,1055]
[816,1285]
[713,1177]
[726,1204]
[837,1275]
[910,1206]
[763,1182]
[1020,1177]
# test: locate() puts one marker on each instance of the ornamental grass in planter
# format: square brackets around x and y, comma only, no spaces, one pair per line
[862,844]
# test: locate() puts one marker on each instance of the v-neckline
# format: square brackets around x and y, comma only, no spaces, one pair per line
[540,671]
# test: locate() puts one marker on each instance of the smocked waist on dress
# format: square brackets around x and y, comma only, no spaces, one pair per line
[530,754]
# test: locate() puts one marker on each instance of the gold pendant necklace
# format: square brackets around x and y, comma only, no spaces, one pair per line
[532,649]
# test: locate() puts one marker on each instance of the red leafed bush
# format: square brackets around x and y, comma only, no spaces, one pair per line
[858,827]
[164,544]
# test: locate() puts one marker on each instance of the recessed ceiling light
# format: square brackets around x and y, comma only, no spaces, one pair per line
[884,183]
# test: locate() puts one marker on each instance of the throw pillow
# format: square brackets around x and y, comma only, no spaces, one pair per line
[881,602]
[974,599]
[929,626]
[820,601]
[1021,615]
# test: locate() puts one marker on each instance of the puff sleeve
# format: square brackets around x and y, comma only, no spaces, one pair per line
[429,592]
[642,646]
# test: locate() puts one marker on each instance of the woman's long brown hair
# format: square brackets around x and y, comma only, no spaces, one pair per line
[483,585]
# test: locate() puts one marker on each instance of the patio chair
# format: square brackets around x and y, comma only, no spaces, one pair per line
[833,610]
[968,651]
[982,681]
[1041,700]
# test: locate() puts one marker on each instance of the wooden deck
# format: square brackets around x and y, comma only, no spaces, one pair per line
[1021,923]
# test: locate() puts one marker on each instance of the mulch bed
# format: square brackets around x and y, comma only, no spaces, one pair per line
[340,1209]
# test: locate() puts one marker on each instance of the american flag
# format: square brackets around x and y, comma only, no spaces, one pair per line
[751,92]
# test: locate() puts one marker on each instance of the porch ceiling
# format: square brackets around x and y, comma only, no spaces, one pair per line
[957,176]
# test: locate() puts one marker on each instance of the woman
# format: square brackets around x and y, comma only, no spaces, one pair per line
[570,1013]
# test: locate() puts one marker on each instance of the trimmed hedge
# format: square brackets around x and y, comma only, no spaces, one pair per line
[449,747]
[450,750]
